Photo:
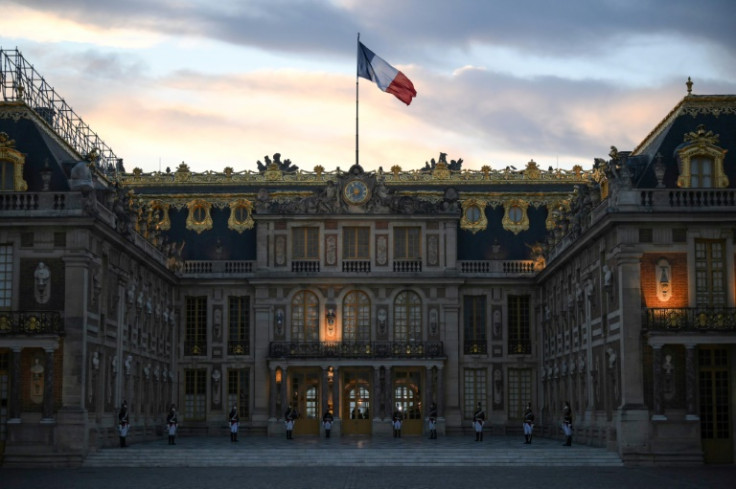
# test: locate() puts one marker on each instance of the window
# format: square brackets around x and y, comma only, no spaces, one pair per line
[407,317]
[474,323]
[406,243]
[304,317]
[195,341]
[356,317]
[305,243]
[7,175]
[195,394]
[355,243]
[710,273]
[238,391]
[239,325]
[520,391]
[6,275]
[519,334]
[474,385]
[701,172]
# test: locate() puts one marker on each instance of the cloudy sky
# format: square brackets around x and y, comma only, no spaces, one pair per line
[219,84]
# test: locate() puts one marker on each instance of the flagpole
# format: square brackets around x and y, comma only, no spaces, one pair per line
[357,77]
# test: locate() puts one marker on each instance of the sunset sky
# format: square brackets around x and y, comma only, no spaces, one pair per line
[218,84]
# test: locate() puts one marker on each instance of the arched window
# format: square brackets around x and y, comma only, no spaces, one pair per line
[407,317]
[304,317]
[356,317]
[701,161]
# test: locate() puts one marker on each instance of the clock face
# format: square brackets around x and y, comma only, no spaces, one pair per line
[356,192]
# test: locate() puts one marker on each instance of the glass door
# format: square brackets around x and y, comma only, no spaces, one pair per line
[305,388]
[715,416]
[407,400]
[356,402]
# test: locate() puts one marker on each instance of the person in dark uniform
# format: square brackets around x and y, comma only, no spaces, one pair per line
[327,421]
[433,421]
[396,421]
[123,424]
[479,419]
[172,422]
[528,423]
[290,417]
[234,423]
[567,424]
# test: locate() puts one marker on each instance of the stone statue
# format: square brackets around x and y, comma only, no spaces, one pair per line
[42,280]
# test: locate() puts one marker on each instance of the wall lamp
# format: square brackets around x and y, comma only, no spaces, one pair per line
[330,315]
[664,284]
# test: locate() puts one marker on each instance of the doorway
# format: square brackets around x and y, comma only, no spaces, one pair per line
[407,393]
[356,402]
[714,394]
[305,396]
[4,399]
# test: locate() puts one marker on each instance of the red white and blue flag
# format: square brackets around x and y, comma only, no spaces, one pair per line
[388,78]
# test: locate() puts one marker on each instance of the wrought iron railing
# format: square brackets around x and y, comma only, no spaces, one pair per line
[238,347]
[359,349]
[356,266]
[195,348]
[690,319]
[408,265]
[475,347]
[31,323]
[309,266]
[20,82]
[500,267]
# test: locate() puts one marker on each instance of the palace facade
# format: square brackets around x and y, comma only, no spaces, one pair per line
[366,292]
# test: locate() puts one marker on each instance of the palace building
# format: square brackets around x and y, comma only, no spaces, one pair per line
[611,286]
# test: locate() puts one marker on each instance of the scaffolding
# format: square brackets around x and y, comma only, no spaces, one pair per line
[20,82]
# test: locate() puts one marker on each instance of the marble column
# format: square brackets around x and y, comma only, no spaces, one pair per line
[335,392]
[376,392]
[48,386]
[690,377]
[324,391]
[441,392]
[272,395]
[657,382]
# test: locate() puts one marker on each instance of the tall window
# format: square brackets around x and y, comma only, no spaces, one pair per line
[356,317]
[474,324]
[6,275]
[355,243]
[520,391]
[701,172]
[407,317]
[239,325]
[710,273]
[238,391]
[195,341]
[407,243]
[305,317]
[195,393]
[305,243]
[7,175]
[519,334]
[474,385]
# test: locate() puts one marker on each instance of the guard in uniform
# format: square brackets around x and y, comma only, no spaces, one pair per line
[172,422]
[479,419]
[123,424]
[234,423]
[396,421]
[528,423]
[567,424]
[327,421]
[433,421]
[289,418]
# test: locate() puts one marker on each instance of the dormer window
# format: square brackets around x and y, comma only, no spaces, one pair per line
[701,172]
[701,161]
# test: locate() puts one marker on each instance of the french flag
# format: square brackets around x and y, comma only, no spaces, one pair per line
[388,78]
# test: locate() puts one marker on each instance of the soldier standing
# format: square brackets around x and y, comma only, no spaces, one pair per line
[289,418]
[567,424]
[433,421]
[327,421]
[234,423]
[172,423]
[479,419]
[123,424]
[396,421]
[528,423]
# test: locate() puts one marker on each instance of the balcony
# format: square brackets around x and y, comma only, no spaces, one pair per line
[408,266]
[497,268]
[305,266]
[239,347]
[360,349]
[356,266]
[475,347]
[690,320]
[31,323]
[216,267]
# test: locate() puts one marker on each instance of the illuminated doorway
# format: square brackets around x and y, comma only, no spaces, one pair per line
[407,399]
[305,389]
[356,406]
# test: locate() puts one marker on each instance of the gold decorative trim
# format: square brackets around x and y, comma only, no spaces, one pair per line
[702,143]
[471,222]
[236,221]
[11,155]
[199,218]
[161,222]
[513,222]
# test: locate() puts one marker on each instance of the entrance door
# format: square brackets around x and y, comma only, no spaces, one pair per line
[4,400]
[305,397]
[356,402]
[715,416]
[407,400]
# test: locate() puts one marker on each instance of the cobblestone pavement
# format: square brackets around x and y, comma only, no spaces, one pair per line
[371,478]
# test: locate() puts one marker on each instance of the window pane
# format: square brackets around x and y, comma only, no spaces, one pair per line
[519,334]
[356,320]
[304,317]
[6,275]
[407,317]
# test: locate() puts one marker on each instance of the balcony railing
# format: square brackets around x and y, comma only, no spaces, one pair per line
[218,266]
[474,347]
[309,266]
[408,265]
[195,348]
[31,323]
[356,266]
[360,349]
[241,347]
[497,267]
[690,319]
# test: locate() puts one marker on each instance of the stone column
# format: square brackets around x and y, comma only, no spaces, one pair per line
[324,391]
[429,390]
[15,386]
[389,394]
[448,402]
[284,391]
[48,387]
[272,395]
[657,382]
[441,392]
[336,393]
[690,382]
[376,392]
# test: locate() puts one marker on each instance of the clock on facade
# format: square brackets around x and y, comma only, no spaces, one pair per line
[356,192]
